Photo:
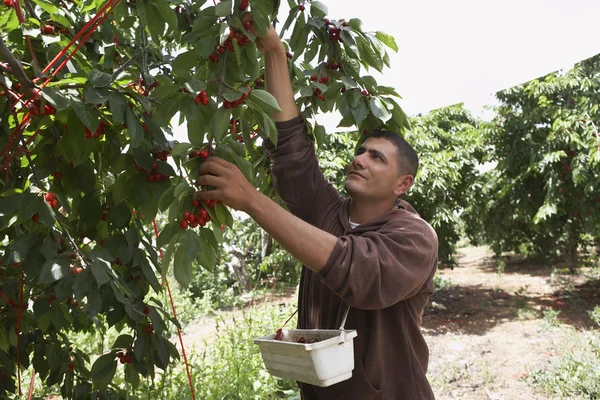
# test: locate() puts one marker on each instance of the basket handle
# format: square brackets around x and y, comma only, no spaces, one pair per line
[342,338]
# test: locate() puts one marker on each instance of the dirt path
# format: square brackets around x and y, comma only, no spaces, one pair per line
[487,331]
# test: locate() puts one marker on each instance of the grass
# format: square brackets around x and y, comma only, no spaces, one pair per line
[576,373]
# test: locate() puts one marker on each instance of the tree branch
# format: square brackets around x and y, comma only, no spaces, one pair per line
[17,69]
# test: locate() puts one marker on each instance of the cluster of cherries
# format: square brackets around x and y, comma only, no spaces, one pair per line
[235,103]
[333,66]
[126,357]
[228,44]
[317,92]
[201,218]
[152,176]
[51,199]
[36,108]
[301,339]
[76,271]
[201,98]
[99,131]
[53,30]
[161,155]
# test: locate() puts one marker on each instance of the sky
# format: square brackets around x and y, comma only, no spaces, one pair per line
[466,50]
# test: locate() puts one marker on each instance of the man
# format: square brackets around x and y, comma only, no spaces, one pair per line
[370,251]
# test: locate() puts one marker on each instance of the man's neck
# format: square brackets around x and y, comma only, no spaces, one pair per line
[365,211]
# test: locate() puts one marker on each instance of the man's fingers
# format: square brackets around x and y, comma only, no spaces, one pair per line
[209,180]
[214,166]
[216,194]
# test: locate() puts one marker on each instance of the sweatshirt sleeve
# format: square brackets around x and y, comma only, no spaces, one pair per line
[297,176]
[380,268]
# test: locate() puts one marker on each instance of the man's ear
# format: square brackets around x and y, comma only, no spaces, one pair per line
[403,183]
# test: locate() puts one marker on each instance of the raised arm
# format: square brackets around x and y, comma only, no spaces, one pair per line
[277,78]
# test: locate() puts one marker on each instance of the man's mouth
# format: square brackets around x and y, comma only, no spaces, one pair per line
[356,173]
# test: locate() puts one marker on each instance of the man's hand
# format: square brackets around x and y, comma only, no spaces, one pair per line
[230,185]
[270,42]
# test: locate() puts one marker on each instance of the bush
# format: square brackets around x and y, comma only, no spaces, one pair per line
[575,375]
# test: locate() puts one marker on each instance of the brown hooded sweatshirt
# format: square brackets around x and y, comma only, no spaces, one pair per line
[383,269]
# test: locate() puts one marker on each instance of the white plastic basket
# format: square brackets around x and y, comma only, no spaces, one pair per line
[323,363]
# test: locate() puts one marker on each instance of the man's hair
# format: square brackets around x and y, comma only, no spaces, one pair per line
[408,160]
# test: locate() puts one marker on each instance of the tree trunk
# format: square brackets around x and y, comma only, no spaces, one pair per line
[572,244]
[267,245]
[240,270]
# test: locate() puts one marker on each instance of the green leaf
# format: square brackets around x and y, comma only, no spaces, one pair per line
[47,6]
[95,95]
[99,78]
[368,54]
[167,233]
[56,98]
[388,40]
[319,133]
[99,268]
[261,22]
[299,36]
[167,13]
[181,148]
[190,242]
[245,166]
[53,270]
[318,10]
[103,370]
[132,376]
[220,123]
[4,344]
[265,101]
[123,341]
[350,45]
[223,8]
[379,110]
[184,63]
[119,189]
[166,199]
[118,104]
[136,133]
[182,267]
[86,114]
[356,24]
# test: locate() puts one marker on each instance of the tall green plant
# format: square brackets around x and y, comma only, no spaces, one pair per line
[543,193]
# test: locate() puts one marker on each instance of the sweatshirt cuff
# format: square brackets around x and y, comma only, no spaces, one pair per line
[290,123]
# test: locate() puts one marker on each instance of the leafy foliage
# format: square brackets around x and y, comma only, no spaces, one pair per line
[543,193]
[86,169]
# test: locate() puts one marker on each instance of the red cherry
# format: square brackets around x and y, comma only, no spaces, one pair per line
[54,203]
[183,224]
[146,310]
[243,5]
[186,216]
[48,29]
[150,178]
[196,153]
[158,177]
[36,218]
[313,78]
[50,197]
[247,25]
[149,329]
[9,3]
[203,213]
[204,154]
[301,7]
[195,203]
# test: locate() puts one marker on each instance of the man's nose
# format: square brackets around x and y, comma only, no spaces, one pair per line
[359,161]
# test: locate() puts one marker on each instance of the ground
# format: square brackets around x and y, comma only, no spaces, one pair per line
[490,324]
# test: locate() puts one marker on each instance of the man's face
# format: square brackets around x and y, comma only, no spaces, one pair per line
[373,173]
